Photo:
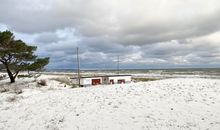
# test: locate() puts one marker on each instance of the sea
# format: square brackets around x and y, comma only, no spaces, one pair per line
[213,73]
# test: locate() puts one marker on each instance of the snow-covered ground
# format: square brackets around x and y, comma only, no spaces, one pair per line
[180,103]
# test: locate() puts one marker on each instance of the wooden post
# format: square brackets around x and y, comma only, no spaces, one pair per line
[78,65]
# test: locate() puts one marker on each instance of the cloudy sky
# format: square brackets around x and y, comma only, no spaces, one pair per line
[144,33]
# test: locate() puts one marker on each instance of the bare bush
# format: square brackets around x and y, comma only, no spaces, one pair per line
[42,82]
[18,91]
[75,85]
[2,76]
[3,89]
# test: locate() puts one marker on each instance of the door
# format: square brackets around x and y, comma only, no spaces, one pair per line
[121,81]
[111,81]
[96,81]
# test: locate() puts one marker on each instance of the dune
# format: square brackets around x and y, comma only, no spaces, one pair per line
[177,103]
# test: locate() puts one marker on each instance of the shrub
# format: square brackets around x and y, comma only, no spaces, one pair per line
[24,76]
[75,86]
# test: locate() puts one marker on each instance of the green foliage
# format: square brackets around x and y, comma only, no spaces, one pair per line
[38,64]
[24,76]
[17,56]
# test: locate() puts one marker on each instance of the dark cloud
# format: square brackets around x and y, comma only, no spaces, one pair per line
[143,33]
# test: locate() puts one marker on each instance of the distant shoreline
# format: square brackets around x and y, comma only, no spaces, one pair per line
[75,70]
[213,73]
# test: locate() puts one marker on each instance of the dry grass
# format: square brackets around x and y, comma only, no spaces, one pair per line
[12,88]
[17,90]
[66,81]
[13,98]
[63,80]
[144,79]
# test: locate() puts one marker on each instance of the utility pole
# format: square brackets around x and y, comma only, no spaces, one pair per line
[78,65]
[118,65]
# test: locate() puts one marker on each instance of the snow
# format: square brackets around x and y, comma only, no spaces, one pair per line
[178,103]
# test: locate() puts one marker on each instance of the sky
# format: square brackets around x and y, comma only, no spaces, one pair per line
[143,33]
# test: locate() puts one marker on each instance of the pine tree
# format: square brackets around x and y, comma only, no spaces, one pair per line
[17,56]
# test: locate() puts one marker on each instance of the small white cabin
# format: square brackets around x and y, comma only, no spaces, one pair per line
[107,79]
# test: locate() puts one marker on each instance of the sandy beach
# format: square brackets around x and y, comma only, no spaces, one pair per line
[176,103]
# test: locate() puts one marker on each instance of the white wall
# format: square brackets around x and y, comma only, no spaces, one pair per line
[85,81]
[88,81]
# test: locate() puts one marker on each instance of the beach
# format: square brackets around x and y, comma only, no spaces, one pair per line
[174,103]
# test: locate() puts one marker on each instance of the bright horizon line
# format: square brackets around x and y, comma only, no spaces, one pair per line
[83,69]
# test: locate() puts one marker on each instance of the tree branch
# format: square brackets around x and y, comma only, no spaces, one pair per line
[2,61]
[9,58]
[16,74]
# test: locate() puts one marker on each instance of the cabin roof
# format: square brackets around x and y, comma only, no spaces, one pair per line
[101,76]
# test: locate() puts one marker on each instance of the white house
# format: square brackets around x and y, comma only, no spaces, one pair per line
[107,79]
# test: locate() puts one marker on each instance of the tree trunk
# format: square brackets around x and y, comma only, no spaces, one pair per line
[10,74]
